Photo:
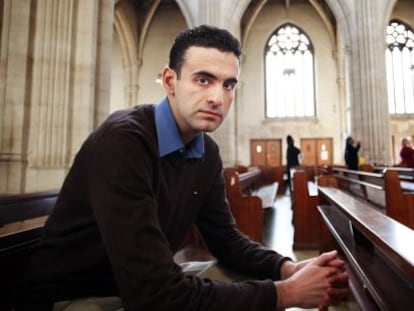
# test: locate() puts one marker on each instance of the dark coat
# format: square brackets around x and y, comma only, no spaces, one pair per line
[351,156]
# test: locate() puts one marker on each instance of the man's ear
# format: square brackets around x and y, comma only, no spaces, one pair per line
[169,77]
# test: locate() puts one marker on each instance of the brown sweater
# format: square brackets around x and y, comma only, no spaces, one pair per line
[120,217]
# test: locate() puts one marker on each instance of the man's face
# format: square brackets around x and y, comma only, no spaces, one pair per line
[201,97]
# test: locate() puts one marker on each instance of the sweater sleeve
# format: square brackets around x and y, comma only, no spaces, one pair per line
[233,249]
[124,203]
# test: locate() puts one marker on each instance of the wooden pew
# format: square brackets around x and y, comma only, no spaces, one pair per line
[363,184]
[246,209]
[305,200]
[21,222]
[400,203]
[404,172]
[305,213]
[260,181]
[386,191]
[273,175]
[248,192]
[376,248]
[366,167]
[267,186]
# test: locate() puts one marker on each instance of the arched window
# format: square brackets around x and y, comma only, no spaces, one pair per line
[400,68]
[289,74]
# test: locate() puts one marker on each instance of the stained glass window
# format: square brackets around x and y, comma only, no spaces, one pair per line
[289,74]
[400,68]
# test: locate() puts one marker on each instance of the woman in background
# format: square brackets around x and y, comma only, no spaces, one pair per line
[351,153]
[406,153]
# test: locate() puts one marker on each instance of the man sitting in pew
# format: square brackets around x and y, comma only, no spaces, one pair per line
[139,183]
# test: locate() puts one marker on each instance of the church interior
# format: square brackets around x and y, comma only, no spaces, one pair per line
[67,65]
[318,70]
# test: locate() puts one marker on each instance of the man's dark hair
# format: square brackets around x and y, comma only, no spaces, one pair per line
[202,36]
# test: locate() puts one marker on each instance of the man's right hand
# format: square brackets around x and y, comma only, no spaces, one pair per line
[314,283]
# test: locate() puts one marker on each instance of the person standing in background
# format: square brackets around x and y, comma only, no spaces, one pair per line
[406,153]
[292,157]
[351,153]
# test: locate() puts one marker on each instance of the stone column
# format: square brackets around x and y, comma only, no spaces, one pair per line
[128,41]
[14,47]
[55,70]
[49,79]
[367,77]
[104,60]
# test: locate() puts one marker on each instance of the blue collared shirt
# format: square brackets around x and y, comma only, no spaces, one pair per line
[169,139]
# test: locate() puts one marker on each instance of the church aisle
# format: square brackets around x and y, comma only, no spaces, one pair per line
[278,230]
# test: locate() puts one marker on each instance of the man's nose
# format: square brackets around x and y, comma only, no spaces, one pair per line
[216,95]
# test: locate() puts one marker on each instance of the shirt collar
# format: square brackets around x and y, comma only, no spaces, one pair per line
[169,139]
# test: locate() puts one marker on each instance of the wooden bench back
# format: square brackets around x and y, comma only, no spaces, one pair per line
[248,180]
[382,190]
[366,185]
[25,206]
[405,173]
[305,214]
[240,183]
[17,211]
[400,205]
[246,209]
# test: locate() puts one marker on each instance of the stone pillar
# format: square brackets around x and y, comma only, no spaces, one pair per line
[82,110]
[132,61]
[14,46]
[50,78]
[104,60]
[367,75]
[55,70]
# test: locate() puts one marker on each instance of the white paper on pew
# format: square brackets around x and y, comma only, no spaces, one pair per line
[267,194]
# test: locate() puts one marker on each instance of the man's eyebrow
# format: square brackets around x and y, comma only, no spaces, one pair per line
[212,76]
[205,74]
[232,81]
